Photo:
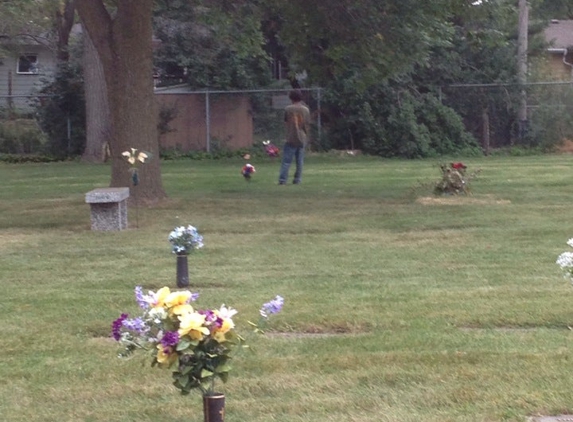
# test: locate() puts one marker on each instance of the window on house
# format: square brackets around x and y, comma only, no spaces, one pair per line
[28,64]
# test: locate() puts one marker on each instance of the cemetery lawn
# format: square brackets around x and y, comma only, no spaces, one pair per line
[399,306]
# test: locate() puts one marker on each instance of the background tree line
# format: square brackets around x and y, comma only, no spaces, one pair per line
[383,65]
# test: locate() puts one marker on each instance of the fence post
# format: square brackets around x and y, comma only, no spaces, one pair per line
[207,121]
[319,118]
[69,133]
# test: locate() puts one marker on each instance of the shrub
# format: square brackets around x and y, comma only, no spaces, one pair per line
[20,136]
[61,114]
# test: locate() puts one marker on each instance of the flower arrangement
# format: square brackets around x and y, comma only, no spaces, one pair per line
[454,180]
[185,240]
[271,149]
[134,158]
[247,171]
[196,344]
[565,261]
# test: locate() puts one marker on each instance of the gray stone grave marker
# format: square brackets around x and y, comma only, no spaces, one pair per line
[108,208]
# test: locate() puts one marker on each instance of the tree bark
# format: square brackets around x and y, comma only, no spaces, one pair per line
[123,43]
[98,125]
[64,22]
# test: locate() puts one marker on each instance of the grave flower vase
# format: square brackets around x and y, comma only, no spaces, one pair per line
[214,407]
[182,271]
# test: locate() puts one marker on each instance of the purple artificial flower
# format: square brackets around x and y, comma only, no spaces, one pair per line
[272,307]
[194,297]
[209,315]
[141,299]
[219,322]
[135,324]
[170,338]
[116,327]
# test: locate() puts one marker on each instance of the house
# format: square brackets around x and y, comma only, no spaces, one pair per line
[559,35]
[24,66]
[196,120]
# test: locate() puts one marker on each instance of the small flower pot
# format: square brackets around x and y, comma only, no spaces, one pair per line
[214,407]
[182,271]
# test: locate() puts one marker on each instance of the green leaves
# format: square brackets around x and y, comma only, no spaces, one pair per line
[373,38]
[216,44]
[184,344]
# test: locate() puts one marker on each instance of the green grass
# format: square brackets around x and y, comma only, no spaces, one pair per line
[399,306]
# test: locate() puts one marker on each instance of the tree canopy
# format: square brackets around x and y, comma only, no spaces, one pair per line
[383,64]
[211,44]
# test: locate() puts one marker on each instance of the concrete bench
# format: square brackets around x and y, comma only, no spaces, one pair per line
[108,208]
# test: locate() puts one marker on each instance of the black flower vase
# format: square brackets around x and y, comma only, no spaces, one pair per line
[214,407]
[182,271]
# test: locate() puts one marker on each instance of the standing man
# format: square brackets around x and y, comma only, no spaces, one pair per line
[297,121]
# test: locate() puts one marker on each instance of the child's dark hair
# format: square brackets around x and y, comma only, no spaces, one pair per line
[295,95]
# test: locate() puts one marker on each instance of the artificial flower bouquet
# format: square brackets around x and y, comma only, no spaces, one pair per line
[565,261]
[134,158]
[185,239]
[247,171]
[196,344]
[271,149]
[454,180]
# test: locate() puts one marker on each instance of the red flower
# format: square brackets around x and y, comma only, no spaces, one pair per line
[271,150]
[459,165]
[247,170]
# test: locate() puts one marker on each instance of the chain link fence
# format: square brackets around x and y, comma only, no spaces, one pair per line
[211,120]
[490,112]
[227,120]
[206,120]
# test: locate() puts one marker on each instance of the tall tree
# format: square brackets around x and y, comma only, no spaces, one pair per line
[123,40]
[373,39]
[215,45]
[98,125]
[64,21]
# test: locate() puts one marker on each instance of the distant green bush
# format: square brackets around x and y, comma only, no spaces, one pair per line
[28,158]
[61,114]
[20,136]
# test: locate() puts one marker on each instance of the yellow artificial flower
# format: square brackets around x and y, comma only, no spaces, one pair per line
[219,337]
[178,302]
[181,309]
[177,298]
[165,359]
[226,314]
[132,157]
[161,296]
[191,324]
[226,326]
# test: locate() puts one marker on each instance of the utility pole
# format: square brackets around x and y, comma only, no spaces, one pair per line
[522,67]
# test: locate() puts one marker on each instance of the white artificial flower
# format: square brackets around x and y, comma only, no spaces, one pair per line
[226,313]
[565,260]
[157,314]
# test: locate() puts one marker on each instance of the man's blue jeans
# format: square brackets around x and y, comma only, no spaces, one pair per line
[290,153]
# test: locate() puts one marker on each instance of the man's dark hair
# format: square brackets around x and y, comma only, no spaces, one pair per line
[295,95]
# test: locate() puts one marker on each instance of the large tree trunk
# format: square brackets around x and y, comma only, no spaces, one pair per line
[123,43]
[64,22]
[98,125]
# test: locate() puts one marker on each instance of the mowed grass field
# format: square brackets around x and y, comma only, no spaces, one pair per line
[399,306]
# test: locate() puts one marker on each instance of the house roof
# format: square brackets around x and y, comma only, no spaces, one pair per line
[559,33]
